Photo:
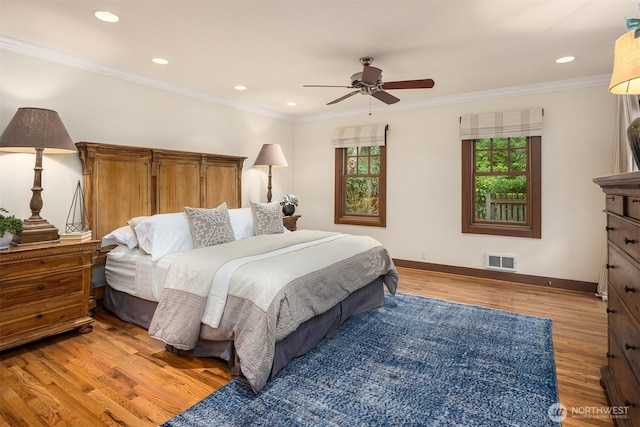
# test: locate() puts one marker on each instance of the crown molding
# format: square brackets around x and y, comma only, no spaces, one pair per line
[47,54]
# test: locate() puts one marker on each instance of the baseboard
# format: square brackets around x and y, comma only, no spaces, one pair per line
[550,282]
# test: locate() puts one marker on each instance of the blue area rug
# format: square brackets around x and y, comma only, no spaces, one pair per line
[414,362]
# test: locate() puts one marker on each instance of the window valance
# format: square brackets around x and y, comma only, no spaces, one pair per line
[500,125]
[360,136]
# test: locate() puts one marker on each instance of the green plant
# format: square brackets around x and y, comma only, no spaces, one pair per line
[289,199]
[9,223]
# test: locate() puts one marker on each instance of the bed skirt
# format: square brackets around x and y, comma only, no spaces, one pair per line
[140,312]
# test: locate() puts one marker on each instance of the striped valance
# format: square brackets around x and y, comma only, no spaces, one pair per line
[500,125]
[360,136]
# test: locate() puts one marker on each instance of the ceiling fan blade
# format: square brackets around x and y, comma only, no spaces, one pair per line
[348,87]
[371,75]
[409,84]
[385,97]
[342,98]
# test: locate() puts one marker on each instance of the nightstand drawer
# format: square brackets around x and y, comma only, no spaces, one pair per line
[34,316]
[40,288]
[626,235]
[41,265]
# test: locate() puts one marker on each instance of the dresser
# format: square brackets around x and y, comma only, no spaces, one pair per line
[44,290]
[621,376]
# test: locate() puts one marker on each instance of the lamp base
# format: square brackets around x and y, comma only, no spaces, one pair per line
[36,231]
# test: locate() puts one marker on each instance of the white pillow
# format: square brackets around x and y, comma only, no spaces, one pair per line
[267,218]
[210,227]
[121,236]
[242,222]
[162,234]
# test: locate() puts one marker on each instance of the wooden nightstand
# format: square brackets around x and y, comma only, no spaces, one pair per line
[291,222]
[44,290]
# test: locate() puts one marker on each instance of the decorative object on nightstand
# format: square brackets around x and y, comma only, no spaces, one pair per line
[77,228]
[9,225]
[44,290]
[625,78]
[291,222]
[270,155]
[40,130]
[289,203]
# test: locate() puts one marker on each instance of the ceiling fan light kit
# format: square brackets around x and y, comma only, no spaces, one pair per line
[369,82]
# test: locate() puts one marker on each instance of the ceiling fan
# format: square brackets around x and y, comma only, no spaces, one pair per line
[369,82]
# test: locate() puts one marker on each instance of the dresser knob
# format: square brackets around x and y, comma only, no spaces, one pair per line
[41,262]
[610,356]
[610,311]
[628,403]
[610,266]
[40,316]
[627,241]
[635,201]
[628,289]
[41,287]
[629,347]
[608,228]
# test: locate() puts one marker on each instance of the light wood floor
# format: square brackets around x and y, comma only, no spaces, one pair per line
[118,376]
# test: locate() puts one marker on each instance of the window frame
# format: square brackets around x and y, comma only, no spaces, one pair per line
[533,227]
[340,214]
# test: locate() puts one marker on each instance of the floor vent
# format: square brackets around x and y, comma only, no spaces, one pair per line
[502,262]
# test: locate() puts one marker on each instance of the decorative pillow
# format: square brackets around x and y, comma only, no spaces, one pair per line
[121,236]
[267,218]
[162,234]
[210,226]
[242,223]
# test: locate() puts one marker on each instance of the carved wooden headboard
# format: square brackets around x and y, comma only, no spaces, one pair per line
[122,182]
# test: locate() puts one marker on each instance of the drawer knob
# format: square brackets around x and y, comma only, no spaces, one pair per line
[608,228]
[628,403]
[628,241]
[610,310]
[41,287]
[629,347]
[635,201]
[42,262]
[610,266]
[610,356]
[40,316]
[628,289]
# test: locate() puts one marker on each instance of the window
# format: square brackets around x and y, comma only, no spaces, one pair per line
[360,180]
[501,182]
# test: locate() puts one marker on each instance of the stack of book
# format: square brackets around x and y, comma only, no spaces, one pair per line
[76,236]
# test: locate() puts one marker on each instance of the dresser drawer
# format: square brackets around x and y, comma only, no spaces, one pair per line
[624,234]
[633,206]
[624,278]
[36,289]
[626,330]
[36,265]
[615,204]
[626,381]
[35,316]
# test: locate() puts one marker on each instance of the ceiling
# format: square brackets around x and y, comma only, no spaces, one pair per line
[275,47]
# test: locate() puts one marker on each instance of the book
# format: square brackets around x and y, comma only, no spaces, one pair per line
[77,236]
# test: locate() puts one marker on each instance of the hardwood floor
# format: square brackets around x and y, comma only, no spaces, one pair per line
[118,376]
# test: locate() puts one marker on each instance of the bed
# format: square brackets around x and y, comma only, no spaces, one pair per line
[211,279]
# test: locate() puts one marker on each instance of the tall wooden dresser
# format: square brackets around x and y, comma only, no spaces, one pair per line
[621,376]
[44,290]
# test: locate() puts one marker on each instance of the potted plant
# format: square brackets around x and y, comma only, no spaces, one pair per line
[9,225]
[289,203]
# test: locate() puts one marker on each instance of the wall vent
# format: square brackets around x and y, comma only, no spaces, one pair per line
[501,262]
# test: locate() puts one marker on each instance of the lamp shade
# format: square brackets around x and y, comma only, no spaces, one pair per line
[271,155]
[32,128]
[625,79]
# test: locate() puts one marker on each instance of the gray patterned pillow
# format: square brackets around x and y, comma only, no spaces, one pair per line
[210,226]
[267,218]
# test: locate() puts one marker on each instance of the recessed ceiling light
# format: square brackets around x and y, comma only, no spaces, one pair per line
[106,16]
[240,87]
[291,104]
[565,59]
[160,61]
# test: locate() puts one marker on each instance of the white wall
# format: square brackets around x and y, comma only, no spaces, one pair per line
[424,183]
[98,108]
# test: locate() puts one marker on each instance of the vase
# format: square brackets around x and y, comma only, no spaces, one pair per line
[5,240]
[633,136]
[288,210]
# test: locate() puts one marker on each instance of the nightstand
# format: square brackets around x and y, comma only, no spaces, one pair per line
[291,222]
[44,290]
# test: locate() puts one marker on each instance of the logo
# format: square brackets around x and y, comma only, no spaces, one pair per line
[557,412]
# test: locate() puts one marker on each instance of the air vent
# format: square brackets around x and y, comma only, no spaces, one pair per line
[501,262]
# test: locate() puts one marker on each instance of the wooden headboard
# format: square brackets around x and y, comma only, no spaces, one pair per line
[122,182]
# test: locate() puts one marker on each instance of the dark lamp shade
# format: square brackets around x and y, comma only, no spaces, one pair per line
[271,155]
[32,128]
[625,78]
